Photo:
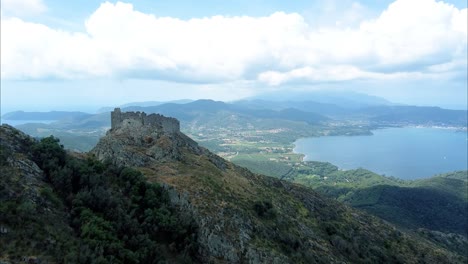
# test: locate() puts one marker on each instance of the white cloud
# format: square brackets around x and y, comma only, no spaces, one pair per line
[410,39]
[416,30]
[333,73]
[34,51]
[23,7]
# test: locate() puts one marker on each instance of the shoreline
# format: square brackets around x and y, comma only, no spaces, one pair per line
[304,156]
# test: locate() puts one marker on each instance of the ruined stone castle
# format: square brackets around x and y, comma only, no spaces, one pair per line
[166,124]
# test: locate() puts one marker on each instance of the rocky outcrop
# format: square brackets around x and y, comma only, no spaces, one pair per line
[14,141]
[30,214]
[136,139]
[15,147]
[224,234]
[160,122]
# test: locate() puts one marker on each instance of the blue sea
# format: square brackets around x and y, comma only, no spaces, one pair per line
[406,153]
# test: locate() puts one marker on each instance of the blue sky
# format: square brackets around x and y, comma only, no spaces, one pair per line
[76,11]
[81,55]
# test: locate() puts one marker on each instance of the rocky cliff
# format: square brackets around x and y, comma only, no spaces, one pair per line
[15,150]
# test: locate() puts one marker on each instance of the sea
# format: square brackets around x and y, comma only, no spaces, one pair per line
[406,153]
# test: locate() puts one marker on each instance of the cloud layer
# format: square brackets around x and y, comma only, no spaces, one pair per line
[22,7]
[410,39]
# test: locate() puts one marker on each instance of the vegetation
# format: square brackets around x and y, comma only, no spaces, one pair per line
[77,139]
[438,203]
[412,207]
[116,216]
[294,221]
[455,183]
[275,169]
[264,209]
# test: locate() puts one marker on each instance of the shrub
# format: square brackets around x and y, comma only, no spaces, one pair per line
[264,209]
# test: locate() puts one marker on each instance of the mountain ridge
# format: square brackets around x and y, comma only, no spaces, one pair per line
[212,192]
[238,216]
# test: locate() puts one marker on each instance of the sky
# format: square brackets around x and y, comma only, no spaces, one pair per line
[83,55]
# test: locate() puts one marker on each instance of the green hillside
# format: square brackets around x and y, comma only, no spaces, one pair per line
[79,210]
[437,203]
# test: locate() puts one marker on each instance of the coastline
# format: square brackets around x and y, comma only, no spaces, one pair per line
[442,160]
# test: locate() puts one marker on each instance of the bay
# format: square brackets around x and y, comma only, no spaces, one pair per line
[406,153]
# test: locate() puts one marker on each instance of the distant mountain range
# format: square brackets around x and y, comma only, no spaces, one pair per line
[345,99]
[416,115]
[314,112]
[305,111]
[80,131]
[146,103]
[189,111]
[52,115]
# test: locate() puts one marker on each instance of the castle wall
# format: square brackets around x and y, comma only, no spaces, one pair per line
[166,124]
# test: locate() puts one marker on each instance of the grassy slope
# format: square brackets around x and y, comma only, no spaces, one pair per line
[302,221]
[437,203]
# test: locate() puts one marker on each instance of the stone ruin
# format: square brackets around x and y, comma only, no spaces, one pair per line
[160,122]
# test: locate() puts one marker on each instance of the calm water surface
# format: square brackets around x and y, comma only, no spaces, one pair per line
[406,153]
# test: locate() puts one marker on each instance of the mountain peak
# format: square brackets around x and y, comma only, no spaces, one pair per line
[137,139]
[136,120]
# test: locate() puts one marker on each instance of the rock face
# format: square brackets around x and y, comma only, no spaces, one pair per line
[15,151]
[166,124]
[25,190]
[137,139]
